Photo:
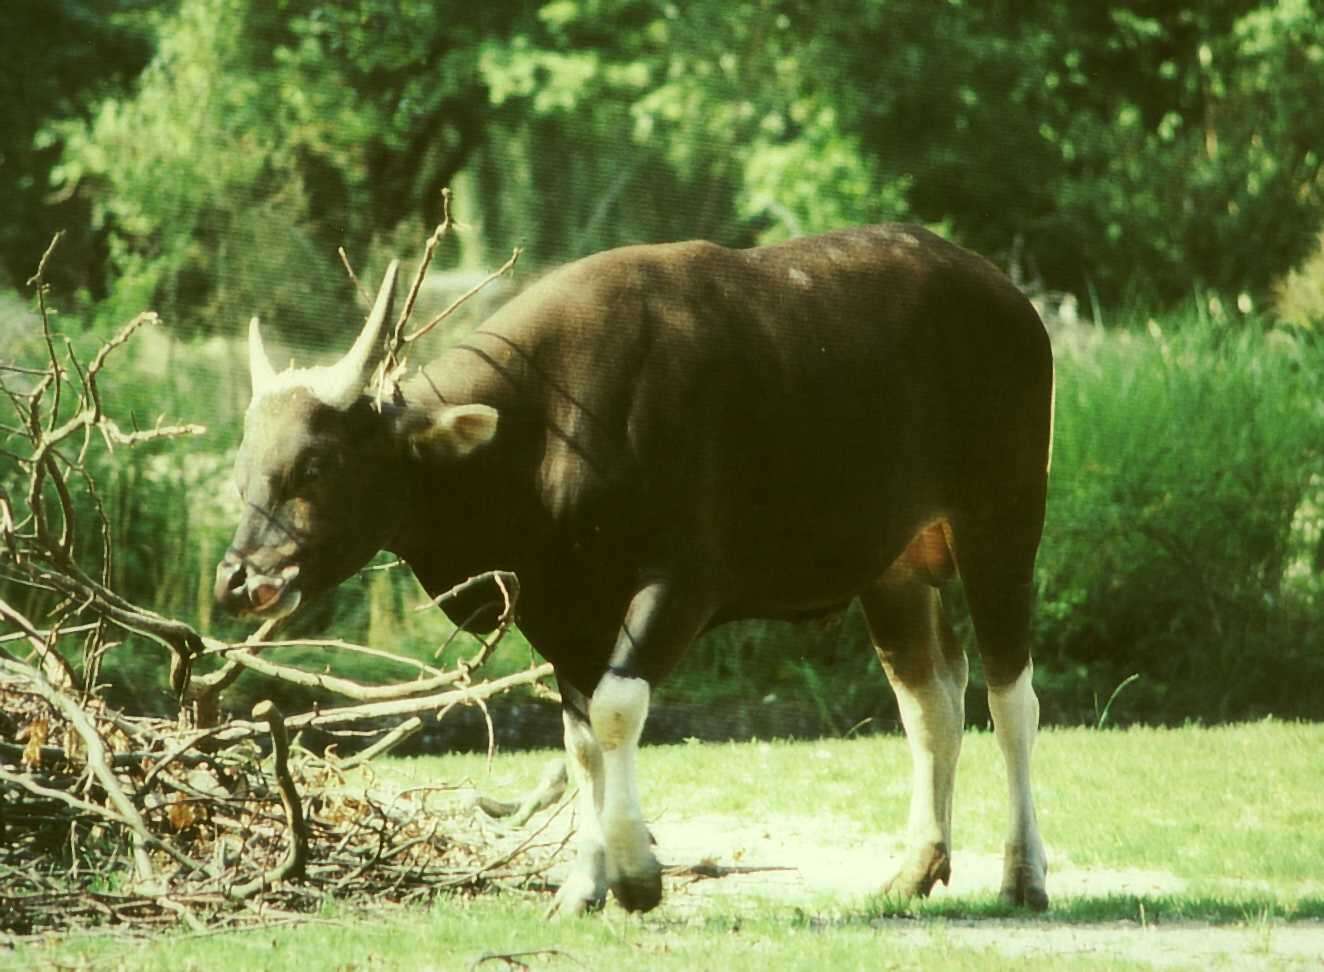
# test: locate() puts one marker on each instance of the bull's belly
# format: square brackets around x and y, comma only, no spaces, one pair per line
[791,583]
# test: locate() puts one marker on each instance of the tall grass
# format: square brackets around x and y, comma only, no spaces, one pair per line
[1183,541]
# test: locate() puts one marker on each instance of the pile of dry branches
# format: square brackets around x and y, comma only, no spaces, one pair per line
[111,819]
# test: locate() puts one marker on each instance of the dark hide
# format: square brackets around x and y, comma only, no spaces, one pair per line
[766,429]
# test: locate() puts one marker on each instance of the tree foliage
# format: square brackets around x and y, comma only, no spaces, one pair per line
[1129,148]
[60,57]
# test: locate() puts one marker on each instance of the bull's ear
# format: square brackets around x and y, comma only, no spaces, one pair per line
[455,431]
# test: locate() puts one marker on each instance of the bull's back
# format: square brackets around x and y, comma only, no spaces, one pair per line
[816,402]
[788,416]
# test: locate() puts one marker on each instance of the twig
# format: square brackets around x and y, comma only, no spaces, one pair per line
[394,359]
[214,647]
[459,302]
[337,684]
[384,745]
[296,856]
[347,715]
[513,960]
[52,633]
[40,275]
[363,291]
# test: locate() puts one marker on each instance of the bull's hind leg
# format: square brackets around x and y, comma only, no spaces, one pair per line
[997,566]
[928,672]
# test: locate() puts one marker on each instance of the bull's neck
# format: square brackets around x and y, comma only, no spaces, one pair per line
[466,517]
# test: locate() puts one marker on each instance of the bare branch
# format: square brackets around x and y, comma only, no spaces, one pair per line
[297,854]
[344,260]
[206,824]
[39,276]
[459,302]
[384,745]
[349,715]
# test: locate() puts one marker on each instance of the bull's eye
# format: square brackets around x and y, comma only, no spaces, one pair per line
[310,470]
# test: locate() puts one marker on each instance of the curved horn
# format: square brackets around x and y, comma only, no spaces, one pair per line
[345,379]
[259,365]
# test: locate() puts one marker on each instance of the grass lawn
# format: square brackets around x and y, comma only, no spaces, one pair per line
[1185,848]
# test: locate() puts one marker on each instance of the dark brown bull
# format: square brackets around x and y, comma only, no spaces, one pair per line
[658,439]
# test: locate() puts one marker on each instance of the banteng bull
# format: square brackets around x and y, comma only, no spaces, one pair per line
[659,439]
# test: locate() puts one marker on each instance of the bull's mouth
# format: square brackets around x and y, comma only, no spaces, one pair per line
[273,595]
[251,593]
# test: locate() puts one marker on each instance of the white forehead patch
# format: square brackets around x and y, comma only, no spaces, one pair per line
[322,383]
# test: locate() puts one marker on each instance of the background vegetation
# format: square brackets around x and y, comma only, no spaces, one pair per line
[1157,164]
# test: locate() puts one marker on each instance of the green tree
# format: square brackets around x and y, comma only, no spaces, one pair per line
[260,137]
[60,57]
[1132,148]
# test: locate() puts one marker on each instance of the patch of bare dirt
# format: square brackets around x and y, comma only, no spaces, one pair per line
[804,859]
[811,861]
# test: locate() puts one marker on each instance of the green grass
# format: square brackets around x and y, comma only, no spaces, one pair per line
[1223,808]
[457,934]
[1233,812]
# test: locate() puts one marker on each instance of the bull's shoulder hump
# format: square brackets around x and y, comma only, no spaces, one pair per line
[611,276]
[631,270]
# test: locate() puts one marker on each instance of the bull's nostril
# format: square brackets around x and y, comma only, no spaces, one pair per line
[231,577]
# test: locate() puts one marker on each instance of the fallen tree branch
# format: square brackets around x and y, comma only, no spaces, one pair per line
[349,715]
[297,855]
[213,834]
[548,791]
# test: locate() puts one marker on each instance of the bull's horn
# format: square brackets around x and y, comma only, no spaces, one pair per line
[345,379]
[259,365]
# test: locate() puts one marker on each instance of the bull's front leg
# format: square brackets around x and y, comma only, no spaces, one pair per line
[617,713]
[615,845]
[585,887]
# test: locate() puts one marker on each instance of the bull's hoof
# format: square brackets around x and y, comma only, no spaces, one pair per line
[579,895]
[585,887]
[1023,878]
[639,892]
[633,873]
[1036,899]
[925,866]
[1024,889]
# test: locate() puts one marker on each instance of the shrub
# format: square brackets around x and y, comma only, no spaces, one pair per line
[1188,458]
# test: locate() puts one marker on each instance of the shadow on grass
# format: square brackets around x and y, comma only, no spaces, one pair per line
[1211,909]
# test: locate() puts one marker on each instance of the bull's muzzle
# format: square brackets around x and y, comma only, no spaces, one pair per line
[242,589]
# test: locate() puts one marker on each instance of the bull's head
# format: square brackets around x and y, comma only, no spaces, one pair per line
[316,472]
